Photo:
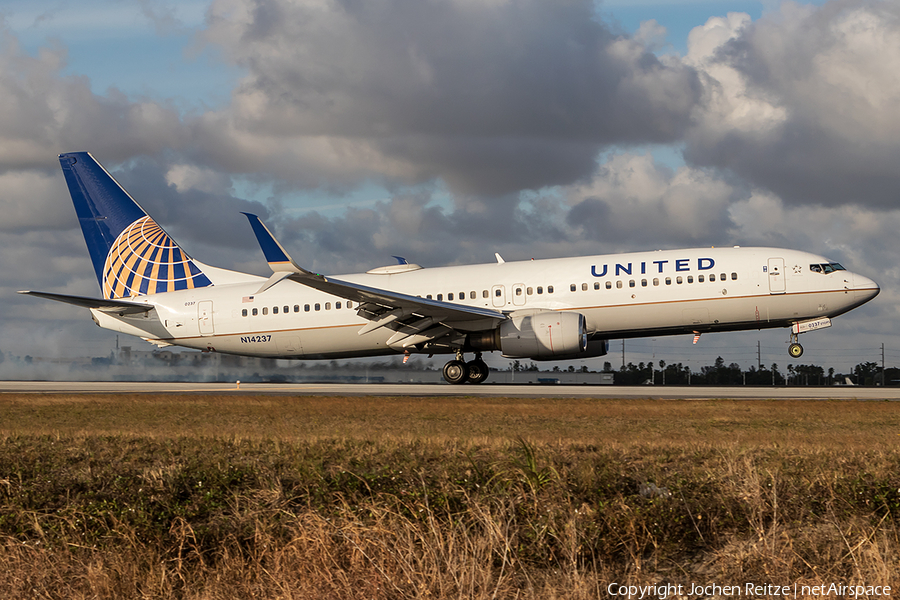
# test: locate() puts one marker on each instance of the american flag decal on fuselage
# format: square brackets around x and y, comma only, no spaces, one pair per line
[145,260]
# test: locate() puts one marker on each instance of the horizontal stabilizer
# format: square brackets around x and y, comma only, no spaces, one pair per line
[114,306]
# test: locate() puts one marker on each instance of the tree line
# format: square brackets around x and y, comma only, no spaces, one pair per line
[661,373]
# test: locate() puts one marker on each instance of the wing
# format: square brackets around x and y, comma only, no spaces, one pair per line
[121,307]
[415,320]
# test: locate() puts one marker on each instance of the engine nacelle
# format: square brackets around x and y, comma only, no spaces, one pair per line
[543,335]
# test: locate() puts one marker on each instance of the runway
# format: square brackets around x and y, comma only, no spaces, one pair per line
[484,390]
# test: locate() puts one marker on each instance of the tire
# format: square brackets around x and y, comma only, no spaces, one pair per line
[455,372]
[478,371]
[795,350]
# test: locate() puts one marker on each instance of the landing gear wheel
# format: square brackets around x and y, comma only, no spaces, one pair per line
[795,350]
[478,370]
[455,372]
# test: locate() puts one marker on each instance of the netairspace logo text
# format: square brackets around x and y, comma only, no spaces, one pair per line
[663,591]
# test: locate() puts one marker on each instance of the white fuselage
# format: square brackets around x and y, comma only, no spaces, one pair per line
[621,296]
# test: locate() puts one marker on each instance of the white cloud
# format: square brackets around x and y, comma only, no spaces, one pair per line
[804,102]
[491,98]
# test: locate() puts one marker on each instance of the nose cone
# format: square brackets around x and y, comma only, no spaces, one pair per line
[865,289]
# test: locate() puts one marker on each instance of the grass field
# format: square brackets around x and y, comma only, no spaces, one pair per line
[185,496]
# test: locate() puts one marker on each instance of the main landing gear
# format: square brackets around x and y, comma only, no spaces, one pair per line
[458,371]
[795,349]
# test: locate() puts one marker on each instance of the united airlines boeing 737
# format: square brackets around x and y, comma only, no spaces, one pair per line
[564,308]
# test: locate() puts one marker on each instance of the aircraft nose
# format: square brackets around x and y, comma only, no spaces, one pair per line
[865,288]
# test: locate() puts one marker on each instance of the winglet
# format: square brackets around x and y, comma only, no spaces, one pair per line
[281,263]
[277,257]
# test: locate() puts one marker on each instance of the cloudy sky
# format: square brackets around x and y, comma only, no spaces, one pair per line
[445,131]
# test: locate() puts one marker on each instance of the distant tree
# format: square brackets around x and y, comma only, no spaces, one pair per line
[607,367]
[865,373]
[809,374]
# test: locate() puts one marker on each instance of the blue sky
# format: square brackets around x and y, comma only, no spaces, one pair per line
[447,131]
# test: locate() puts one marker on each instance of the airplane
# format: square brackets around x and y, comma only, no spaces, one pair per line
[551,309]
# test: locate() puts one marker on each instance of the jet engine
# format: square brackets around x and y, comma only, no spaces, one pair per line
[541,335]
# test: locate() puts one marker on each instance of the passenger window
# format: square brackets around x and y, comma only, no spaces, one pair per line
[306,307]
[712,276]
[655,281]
[631,283]
[440,297]
[690,279]
[255,312]
[244,313]
[265,310]
[498,292]
[274,310]
[722,277]
[287,309]
[318,306]
[518,291]
[337,306]
[549,289]
[540,290]
[472,295]
[349,304]
[619,284]
[296,308]
[572,288]
[529,291]
[462,295]
[596,285]
[733,276]
[699,278]
[484,294]
[450,297]
[583,287]
[609,285]
[428,296]
[668,281]
[679,280]
[328,306]
[643,283]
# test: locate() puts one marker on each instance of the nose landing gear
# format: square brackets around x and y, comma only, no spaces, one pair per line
[458,371]
[795,349]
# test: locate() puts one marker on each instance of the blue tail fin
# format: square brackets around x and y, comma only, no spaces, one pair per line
[132,255]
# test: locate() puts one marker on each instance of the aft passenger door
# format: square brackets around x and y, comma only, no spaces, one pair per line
[776,275]
[205,317]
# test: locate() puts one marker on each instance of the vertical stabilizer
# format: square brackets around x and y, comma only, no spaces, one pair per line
[132,255]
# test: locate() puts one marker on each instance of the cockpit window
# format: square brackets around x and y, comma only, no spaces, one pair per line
[826,268]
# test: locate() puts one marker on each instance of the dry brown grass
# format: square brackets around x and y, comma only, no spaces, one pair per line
[682,423]
[224,497]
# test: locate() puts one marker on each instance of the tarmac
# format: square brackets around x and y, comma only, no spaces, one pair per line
[483,390]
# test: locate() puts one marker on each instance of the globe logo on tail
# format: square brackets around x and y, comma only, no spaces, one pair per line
[145,260]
